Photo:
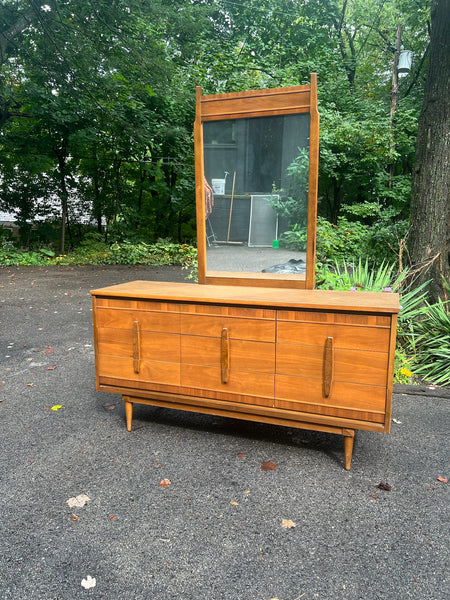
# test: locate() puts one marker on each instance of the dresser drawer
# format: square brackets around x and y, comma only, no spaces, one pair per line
[262,330]
[352,366]
[344,336]
[350,400]
[120,371]
[153,345]
[259,386]
[149,320]
[243,355]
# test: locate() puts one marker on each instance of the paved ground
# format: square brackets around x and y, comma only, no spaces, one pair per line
[215,533]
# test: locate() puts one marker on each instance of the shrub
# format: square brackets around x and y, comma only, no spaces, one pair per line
[344,241]
[432,344]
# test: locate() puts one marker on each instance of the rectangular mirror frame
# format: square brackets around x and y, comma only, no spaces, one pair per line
[258,103]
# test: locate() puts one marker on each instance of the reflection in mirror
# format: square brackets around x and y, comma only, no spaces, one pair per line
[256,193]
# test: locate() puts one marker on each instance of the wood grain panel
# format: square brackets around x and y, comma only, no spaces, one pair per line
[243,355]
[255,103]
[322,300]
[153,345]
[148,320]
[136,304]
[243,329]
[150,371]
[239,382]
[344,336]
[334,317]
[333,412]
[291,390]
[116,385]
[228,311]
[352,366]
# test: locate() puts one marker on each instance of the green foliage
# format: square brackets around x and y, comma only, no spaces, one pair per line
[295,238]
[94,251]
[344,241]
[363,276]
[432,344]
[403,367]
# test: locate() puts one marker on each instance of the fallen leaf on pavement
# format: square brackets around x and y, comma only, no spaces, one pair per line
[287,524]
[384,486]
[112,518]
[51,368]
[78,501]
[234,503]
[442,479]
[268,466]
[57,407]
[165,483]
[88,583]
[241,454]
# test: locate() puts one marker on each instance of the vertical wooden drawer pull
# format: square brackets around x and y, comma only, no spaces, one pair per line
[224,355]
[136,347]
[328,367]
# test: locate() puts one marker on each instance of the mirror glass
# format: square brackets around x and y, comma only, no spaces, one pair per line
[256,194]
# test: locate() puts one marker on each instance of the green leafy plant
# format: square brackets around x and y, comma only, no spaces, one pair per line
[295,238]
[403,367]
[432,344]
[344,241]
[161,253]
[362,276]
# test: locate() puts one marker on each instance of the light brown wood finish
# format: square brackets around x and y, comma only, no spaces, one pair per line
[326,302]
[313,184]
[224,355]
[328,367]
[136,347]
[251,353]
[200,189]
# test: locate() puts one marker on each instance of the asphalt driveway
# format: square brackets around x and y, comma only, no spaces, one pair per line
[216,531]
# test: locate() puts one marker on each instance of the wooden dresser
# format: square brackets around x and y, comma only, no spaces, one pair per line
[311,359]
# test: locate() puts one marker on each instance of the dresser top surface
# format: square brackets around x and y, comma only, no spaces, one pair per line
[379,302]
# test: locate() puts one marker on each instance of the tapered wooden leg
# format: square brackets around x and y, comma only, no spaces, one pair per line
[349,436]
[128,412]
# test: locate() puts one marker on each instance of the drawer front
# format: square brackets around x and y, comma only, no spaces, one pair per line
[344,336]
[255,388]
[165,322]
[244,356]
[262,330]
[118,370]
[352,366]
[153,345]
[350,400]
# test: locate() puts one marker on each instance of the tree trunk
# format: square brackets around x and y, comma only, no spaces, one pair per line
[64,194]
[429,245]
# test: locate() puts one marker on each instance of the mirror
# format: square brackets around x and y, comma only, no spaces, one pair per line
[256,219]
